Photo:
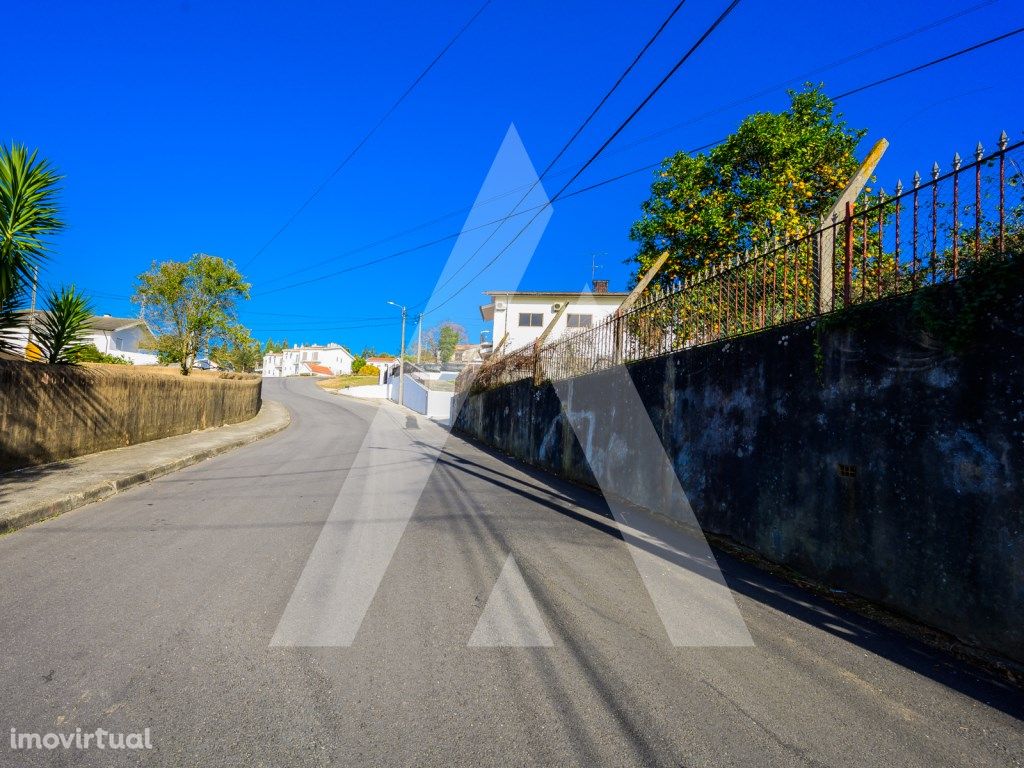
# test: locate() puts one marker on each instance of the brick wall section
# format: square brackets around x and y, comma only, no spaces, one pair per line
[54,412]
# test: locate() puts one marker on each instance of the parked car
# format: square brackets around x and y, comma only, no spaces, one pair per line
[203,365]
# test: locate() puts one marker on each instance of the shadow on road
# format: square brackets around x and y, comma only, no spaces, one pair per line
[566,499]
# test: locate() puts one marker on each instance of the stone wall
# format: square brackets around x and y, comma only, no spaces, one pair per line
[879,451]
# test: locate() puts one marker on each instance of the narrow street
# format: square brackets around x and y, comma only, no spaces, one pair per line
[159,608]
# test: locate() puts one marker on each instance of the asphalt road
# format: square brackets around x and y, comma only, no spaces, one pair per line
[165,608]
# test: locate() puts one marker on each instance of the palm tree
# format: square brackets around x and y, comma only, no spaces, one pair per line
[28,215]
[60,332]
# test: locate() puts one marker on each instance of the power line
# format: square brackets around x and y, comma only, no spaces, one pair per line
[337,169]
[576,134]
[622,126]
[931,63]
[619,177]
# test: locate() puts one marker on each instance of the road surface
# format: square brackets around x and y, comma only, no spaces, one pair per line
[183,606]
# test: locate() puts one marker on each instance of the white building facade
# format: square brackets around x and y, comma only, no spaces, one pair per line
[520,317]
[294,361]
[126,337]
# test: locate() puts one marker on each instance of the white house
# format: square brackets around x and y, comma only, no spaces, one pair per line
[519,317]
[125,337]
[294,361]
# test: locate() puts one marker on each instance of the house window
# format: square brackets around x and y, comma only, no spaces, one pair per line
[579,321]
[118,342]
[531,319]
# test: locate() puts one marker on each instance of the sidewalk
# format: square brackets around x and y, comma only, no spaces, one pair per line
[35,493]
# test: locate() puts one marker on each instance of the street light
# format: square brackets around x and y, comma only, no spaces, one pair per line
[401,358]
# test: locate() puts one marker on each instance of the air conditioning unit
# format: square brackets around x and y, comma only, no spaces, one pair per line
[499,305]
[556,306]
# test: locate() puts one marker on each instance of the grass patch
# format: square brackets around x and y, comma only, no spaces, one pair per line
[344,382]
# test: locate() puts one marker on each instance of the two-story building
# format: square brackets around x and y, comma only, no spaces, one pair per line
[519,317]
[306,360]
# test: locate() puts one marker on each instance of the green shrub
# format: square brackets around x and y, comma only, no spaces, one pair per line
[358,364]
[89,354]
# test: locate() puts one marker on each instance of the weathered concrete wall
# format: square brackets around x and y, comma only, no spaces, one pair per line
[54,412]
[863,453]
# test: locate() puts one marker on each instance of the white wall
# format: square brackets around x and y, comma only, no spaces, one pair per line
[431,403]
[289,362]
[601,306]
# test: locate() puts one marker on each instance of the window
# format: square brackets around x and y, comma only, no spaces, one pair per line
[531,319]
[578,321]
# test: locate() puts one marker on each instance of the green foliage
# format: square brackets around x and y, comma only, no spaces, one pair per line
[60,330]
[89,354]
[368,352]
[449,337]
[237,351]
[776,176]
[28,216]
[358,364]
[957,314]
[440,341]
[189,303]
[369,370]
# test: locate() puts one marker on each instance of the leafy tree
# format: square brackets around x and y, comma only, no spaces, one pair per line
[60,331]
[190,303]
[238,351]
[441,340]
[358,364]
[776,176]
[449,336]
[28,215]
[368,352]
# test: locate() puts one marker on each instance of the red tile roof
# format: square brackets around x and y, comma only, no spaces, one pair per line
[319,370]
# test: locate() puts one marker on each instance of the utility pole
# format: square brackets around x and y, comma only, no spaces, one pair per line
[32,310]
[401,358]
[419,339]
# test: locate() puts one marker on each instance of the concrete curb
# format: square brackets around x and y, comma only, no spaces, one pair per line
[272,418]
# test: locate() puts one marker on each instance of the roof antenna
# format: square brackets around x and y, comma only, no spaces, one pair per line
[594,266]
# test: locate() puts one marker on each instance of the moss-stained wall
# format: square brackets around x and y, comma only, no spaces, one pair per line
[879,451]
[54,412]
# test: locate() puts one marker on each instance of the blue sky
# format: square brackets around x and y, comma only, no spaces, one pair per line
[203,126]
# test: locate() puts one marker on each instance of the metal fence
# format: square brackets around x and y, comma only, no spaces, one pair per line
[933,231]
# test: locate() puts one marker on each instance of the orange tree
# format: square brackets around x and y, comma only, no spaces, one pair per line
[773,178]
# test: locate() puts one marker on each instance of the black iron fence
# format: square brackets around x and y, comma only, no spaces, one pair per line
[932,231]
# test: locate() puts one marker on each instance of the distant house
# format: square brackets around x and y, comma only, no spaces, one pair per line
[467,353]
[333,358]
[126,337]
[519,317]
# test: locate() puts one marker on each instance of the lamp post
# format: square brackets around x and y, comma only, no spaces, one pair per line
[401,358]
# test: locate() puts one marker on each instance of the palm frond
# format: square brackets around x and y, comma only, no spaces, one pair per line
[28,214]
[61,329]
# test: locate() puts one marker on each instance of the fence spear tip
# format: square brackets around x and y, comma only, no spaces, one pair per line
[978,152]
[935,170]
[956,161]
[917,179]
[1003,140]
